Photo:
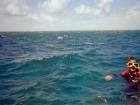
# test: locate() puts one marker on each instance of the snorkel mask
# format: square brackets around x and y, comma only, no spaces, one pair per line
[135,65]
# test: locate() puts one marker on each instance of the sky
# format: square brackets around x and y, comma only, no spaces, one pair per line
[61,15]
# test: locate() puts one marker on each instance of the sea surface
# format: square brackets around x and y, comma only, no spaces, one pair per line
[65,68]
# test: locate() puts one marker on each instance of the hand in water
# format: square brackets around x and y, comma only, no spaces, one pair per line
[108,78]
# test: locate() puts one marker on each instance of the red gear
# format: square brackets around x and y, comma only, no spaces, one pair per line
[128,76]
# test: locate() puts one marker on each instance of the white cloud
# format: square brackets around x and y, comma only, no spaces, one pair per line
[49,10]
[54,6]
[45,11]
[132,10]
[125,18]
[83,9]
[16,7]
[103,7]
[42,17]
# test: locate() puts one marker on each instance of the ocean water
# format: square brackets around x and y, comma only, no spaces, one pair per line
[65,68]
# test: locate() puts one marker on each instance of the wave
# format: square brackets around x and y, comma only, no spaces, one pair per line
[27,66]
[29,57]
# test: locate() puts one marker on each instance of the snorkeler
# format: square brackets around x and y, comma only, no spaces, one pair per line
[132,75]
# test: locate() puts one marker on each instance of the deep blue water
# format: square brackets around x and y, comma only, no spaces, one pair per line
[65,68]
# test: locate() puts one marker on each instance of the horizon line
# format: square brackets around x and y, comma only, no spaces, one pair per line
[73,30]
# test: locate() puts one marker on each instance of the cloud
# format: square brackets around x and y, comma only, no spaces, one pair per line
[49,10]
[45,10]
[126,17]
[49,14]
[83,9]
[42,17]
[131,10]
[16,7]
[54,6]
[103,7]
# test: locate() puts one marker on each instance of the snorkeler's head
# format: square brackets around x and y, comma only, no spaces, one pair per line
[132,63]
[132,58]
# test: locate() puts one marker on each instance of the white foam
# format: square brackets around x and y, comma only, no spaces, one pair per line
[60,38]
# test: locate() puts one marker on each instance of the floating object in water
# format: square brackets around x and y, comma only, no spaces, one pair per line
[108,77]
[66,36]
[60,38]
[89,43]
[2,35]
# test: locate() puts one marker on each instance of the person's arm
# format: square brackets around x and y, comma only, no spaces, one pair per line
[117,75]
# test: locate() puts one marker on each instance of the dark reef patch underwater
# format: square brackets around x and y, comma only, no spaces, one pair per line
[65,68]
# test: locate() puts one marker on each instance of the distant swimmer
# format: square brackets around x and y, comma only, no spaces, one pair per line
[132,74]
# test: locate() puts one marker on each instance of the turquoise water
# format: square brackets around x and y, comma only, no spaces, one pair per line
[65,68]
